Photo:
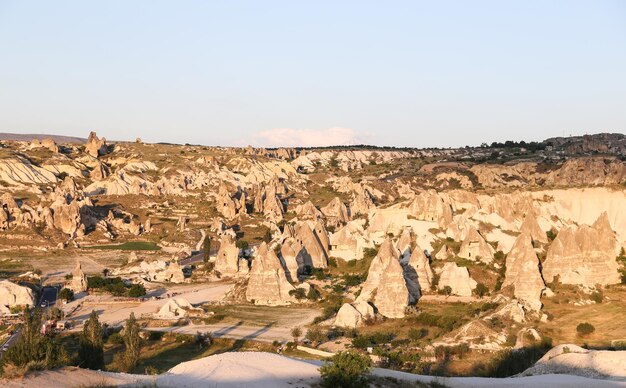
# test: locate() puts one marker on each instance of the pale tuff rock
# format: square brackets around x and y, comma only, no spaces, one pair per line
[67,218]
[99,172]
[353,315]
[362,201]
[308,211]
[18,171]
[404,244]
[457,278]
[267,283]
[147,226]
[510,309]
[227,260]
[392,295]
[12,294]
[173,273]
[227,205]
[182,223]
[336,213]
[316,254]
[474,247]
[418,273]
[96,147]
[200,243]
[349,242]
[443,253]
[78,283]
[273,208]
[45,143]
[176,308]
[386,253]
[293,256]
[522,272]
[431,206]
[459,228]
[583,255]
[531,227]
[322,235]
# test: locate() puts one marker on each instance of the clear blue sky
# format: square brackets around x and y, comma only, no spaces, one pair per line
[404,73]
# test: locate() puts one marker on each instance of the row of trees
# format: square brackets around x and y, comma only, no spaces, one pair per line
[35,350]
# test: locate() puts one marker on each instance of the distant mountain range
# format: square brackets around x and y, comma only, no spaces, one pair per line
[29,137]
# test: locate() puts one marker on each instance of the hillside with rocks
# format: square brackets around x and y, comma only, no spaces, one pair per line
[440,252]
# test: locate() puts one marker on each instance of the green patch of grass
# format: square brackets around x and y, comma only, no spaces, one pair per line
[130,246]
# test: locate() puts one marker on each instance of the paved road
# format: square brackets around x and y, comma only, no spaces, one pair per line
[49,296]
[9,342]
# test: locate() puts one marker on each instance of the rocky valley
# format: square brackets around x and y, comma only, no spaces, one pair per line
[438,262]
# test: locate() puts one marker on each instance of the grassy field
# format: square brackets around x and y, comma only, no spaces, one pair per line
[130,246]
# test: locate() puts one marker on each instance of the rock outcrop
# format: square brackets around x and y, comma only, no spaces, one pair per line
[96,147]
[583,255]
[475,248]
[227,260]
[12,294]
[531,227]
[457,278]
[336,213]
[353,315]
[522,272]
[316,254]
[78,283]
[392,296]
[267,283]
[418,273]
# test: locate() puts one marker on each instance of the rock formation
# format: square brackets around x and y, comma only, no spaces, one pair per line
[353,315]
[474,247]
[336,213]
[457,278]
[316,255]
[392,296]
[418,273]
[583,255]
[522,272]
[267,283]
[227,260]
[386,253]
[12,294]
[96,147]
[78,283]
[531,227]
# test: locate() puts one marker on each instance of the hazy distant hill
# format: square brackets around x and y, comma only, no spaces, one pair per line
[30,137]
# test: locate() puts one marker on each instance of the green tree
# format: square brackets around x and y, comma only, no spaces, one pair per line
[585,328]
[136,291]
[346,370]
[66,294]
[296,333]
[91,351]
[480,290]
[207,249]
[132,342]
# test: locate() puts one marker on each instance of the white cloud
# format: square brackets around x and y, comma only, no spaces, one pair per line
[290,137]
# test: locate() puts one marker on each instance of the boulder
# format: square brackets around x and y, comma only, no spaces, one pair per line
[353,315]
[522,272]
[267,282]
[584,255]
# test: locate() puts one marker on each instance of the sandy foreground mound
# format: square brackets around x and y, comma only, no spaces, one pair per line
[572,359]
[265,370]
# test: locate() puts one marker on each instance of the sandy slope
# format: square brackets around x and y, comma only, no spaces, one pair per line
[267,370]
